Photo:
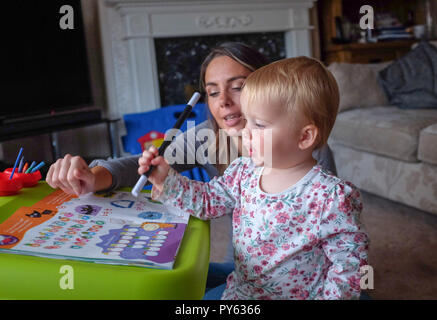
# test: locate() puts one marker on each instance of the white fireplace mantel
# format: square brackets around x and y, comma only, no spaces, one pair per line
[128,29]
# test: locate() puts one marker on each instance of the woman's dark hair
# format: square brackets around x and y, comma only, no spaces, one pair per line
[243,54]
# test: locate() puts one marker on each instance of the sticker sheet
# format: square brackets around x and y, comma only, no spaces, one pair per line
[114,228]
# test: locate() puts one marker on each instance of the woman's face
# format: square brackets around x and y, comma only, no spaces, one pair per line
[224,78]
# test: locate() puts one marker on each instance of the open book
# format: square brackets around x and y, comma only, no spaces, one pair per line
[112,228]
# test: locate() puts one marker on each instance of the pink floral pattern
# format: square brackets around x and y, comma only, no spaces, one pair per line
[306,242]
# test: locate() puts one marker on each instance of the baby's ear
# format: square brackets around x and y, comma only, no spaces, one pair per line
[308,137]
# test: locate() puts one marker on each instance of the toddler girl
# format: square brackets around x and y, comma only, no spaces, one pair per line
[296,228]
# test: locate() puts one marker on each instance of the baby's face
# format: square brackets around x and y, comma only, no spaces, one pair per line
[269,133]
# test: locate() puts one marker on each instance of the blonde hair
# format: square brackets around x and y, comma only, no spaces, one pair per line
[303,86]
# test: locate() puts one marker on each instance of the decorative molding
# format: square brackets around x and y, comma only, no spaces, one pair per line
[120,62]
[223,22]
[138,24]
[300,18]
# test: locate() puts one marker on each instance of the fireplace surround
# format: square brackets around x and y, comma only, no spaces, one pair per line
[179,60]
[129,27]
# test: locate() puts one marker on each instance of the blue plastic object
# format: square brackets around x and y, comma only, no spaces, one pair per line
[160,120]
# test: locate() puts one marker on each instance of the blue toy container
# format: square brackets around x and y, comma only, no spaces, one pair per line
[157,122]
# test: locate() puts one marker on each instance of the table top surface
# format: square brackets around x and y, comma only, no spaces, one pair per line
[28,277]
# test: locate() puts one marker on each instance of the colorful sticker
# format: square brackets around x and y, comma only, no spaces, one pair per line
[124,242]
[150,215]
[6,240]
[125,204]
[88,209]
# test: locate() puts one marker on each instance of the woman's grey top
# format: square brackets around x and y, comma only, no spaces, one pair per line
[187,151]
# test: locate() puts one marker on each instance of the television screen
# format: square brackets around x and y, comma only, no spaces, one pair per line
[45,69]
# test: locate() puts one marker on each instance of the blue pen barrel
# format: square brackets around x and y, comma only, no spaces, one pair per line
[16,163]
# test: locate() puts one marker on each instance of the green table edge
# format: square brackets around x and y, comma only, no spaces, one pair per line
[39,278]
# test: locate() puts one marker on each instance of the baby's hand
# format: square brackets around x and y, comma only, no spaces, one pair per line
[150,157]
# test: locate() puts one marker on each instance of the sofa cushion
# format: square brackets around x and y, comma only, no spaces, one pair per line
[358,84]
[410,82]
[384,130]
[428,144]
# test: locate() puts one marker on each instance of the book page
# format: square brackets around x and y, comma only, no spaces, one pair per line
[114,228]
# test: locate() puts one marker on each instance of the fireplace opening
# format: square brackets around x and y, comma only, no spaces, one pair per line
[179,59]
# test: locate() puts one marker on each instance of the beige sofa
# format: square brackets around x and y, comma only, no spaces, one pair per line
[382,149]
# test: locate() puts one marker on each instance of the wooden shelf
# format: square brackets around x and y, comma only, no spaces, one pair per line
[366,52]
[362,52]
[376,45]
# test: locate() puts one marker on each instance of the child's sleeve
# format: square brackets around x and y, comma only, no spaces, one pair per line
[203,200]
[344,242]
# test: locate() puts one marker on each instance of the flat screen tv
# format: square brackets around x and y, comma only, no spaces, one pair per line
[45,69]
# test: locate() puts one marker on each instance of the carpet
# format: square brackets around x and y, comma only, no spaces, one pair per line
[403,248]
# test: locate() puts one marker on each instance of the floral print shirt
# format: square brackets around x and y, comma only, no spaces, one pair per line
[306,242]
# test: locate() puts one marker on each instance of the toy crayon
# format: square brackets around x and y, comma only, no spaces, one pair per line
[25,167]
[31,167]
[39,166]
[16,163]
[20,166]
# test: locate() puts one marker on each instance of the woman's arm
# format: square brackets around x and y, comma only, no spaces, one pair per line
[73,175]
[122,171]
[182,153]
[103,178]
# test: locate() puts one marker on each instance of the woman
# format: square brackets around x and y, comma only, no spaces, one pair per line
[221,77]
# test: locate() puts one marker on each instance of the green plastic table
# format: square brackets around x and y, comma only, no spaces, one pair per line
[27,277]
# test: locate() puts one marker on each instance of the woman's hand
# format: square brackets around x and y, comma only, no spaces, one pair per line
[72,175]
[150,157]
